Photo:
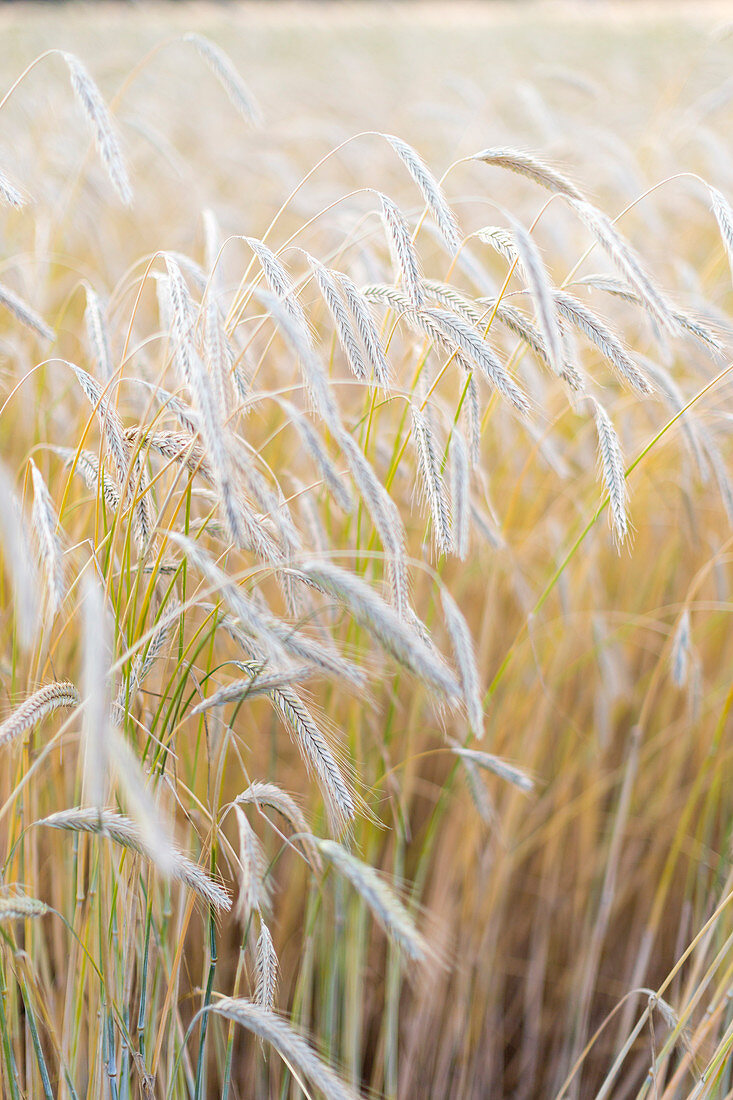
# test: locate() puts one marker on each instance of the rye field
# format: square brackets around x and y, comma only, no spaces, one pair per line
[366,551]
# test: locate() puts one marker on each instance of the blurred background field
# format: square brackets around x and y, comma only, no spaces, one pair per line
[606,669]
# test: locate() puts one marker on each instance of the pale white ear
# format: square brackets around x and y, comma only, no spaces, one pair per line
[19,563]
[102,125]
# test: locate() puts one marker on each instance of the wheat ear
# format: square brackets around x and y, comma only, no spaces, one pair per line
[19,907]
[25,314]
[252,894]
[36,707]
[628,263]
[86,465]
[381,620]
[317,754]
[540,287]
[102,126]
[10,194]
[291,1046]
[527,165]
[227,75]
[509,772]
[268,794]
[724,217]
[45,522]
[462,643]
[19,562]
[266,967]
[431,190]
[206,400]
[604,339]
[612,466]
[360,311]
[345,329]
[255,685]
[383,902]
[126,833]
[404,256]
[460,483]
[681,650]
[98,336]
[432,478]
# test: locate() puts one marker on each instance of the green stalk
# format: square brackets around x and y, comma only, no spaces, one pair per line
[37,1048]
[201,1065]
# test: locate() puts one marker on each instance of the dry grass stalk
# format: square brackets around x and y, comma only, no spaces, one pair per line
[96,717]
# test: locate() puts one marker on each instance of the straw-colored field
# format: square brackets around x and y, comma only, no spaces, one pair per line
[365,646]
